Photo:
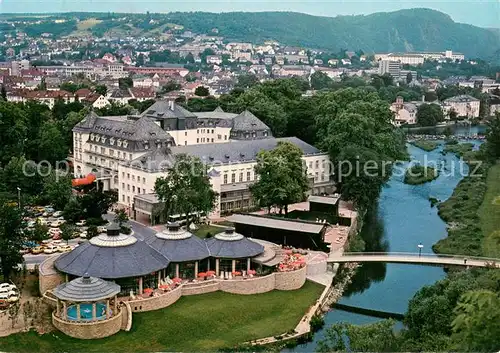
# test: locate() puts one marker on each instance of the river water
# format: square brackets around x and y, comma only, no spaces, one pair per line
[401,221]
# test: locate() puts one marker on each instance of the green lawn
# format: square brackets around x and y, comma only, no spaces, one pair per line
[204,229]
[489,213]
[204,322]
[426,145]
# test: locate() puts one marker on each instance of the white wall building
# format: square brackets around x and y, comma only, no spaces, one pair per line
[464,105]
[129,153]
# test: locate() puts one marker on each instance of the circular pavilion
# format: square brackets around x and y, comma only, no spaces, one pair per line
[232,251]
[131,263]
[184,250]
[87,306]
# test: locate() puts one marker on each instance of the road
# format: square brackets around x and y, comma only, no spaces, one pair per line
[140,231]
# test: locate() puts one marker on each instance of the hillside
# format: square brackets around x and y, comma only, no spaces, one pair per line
[404,30]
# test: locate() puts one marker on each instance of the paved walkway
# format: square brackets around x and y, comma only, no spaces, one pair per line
[415,258]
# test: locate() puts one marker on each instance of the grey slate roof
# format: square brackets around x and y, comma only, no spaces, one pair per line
[162,110]
[180,250]
[234,249]
[237,151]
[134,260]
[86,289]
[246,121]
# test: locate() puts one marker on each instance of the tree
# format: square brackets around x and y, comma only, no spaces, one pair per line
[140,60]
[477,325]
[125,82]
[493,137]
[452,114]
[171,86]
[13,131]
[377,337]
[39,232]
[52,146]
[282,179]
[409,78]
[58,190]
[429,115]
[23,174]
[67,231]
[92,231]
[3,92]
[247,80]
[11,237]
[73,212]
[96,203]
[320,80]
[430,96]
[201,91]
[121,217]
[101,89]
[186,188]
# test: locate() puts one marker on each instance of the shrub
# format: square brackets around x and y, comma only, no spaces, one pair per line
[317,322]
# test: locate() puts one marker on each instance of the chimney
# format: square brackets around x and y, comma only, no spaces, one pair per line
[423,98]
[171,105]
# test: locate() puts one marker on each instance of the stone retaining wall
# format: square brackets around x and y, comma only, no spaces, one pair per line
[49,277]
[290,280]
[90,330]
[126,317]
[155,303]
[249,286]
[201,288]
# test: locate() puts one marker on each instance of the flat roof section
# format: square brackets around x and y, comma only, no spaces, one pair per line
[327,200]
[285,224]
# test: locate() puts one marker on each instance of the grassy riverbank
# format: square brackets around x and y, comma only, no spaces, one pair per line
[460,149]
[419,174]
[206,322]
[489,214]
[426,145]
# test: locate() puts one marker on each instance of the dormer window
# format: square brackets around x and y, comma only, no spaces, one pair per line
[112,141]
[103,139]
[265,133]
[92,136]
[119,143]
[97,138]
[125,144]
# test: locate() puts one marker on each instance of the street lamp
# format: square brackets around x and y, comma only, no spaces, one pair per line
[420,246]
[19,197]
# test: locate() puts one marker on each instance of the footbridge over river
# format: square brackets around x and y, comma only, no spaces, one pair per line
[415,258]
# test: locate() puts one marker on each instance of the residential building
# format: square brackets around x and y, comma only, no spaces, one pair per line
[46,97]
[404,113]
[406,58]
[390,67]
[464,105]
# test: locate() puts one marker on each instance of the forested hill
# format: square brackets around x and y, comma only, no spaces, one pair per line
[404,30]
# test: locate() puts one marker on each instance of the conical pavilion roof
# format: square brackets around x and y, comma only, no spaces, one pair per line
[86,289]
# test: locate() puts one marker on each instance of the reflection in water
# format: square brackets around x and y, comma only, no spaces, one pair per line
[375,241]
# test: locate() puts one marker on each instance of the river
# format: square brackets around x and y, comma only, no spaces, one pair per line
[401,221]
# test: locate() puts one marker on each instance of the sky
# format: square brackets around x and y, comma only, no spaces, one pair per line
[483,13]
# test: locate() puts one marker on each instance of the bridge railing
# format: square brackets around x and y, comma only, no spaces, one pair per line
[416,254]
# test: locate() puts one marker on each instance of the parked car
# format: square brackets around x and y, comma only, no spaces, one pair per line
[4,304]
[56,223]
[24,251]
[7,286]
[53,231]
[42,221]
[51,249]
[37,250]
[83,234]
[31,224]
[13,296]
[49,209]
[81,223]
[101,229]
[57,214]
[56,236]
[64,248]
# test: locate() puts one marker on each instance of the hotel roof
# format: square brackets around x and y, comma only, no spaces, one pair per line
[290,225]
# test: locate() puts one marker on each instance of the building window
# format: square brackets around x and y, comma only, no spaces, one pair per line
[123,186]
[233,178]
[241,177]
[185,143]
[143,180]
[197,140]
[185,133]
[323,163]
[133,177]
[128,187]
[310,164]
[219,137]
[128,199]
[111,152]
[317,164]
[316,176]
[212,131]
[123,174]
[225,137]
[138,190]
[133,188]
[225,178]
[128,176]
[248,176]
[212,139]
[130,156]
[123,198]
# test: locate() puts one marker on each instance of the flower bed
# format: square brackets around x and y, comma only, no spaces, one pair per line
[292,261]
